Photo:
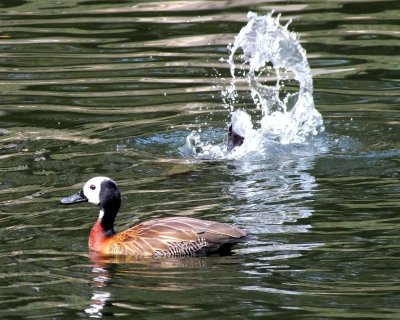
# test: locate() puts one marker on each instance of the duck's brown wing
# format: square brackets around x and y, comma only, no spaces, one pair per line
[175,236]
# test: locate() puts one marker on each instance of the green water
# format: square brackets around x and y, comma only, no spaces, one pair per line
[114,87]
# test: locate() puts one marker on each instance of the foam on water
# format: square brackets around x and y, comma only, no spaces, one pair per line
[274,66]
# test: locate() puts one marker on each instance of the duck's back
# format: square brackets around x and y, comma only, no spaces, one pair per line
[174,236]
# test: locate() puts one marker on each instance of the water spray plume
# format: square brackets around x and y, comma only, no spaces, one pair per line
[271,61]
[266,44]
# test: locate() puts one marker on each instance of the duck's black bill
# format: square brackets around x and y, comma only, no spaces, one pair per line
[75,198]
[234,139]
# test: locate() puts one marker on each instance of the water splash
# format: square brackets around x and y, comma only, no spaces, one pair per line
[270,50]
[273,67]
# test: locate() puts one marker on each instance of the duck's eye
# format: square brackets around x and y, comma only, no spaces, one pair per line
[92,187]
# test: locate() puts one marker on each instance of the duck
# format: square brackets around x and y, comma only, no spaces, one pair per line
[176,236]
[240,127]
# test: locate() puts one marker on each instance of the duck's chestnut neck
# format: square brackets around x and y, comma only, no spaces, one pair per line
[110,202]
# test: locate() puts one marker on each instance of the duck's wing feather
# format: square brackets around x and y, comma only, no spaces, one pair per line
[175,236]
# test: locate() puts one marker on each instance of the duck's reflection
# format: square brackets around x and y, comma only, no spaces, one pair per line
[100,297]
[105,268]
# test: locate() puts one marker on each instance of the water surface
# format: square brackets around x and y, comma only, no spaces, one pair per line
[115,87]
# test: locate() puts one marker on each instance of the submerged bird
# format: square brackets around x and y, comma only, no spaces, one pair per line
[239,128]
[169,237]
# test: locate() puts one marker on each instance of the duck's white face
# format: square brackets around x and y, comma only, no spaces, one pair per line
[241,123]
[102,191]
[92,188]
